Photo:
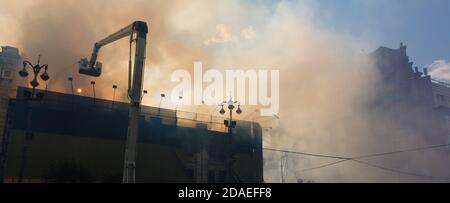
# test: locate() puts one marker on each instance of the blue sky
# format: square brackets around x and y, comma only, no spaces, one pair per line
[423,25]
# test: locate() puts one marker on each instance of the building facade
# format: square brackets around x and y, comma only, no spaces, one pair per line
[411,97]
[9,62]
[68,138]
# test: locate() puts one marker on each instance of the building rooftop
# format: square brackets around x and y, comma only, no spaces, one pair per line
[69,102]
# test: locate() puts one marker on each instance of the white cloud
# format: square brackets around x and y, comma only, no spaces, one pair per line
[440,70]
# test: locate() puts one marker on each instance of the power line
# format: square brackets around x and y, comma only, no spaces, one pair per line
[308,154]
[378,167]
[359,157]
[399,171]
[356,159]
[323,166]
[401,151]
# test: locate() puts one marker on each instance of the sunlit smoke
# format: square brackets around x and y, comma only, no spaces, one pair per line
[325,82]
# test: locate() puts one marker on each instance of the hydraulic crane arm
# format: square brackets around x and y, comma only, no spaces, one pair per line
[94,68]
[127,31]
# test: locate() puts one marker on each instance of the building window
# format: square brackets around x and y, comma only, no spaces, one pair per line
[7,74]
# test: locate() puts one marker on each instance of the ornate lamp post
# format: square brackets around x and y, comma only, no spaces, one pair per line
[230,124]
[36,69]
[34,83]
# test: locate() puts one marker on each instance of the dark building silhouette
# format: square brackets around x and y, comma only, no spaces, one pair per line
[70,138]
[10,60]
[9,63]
[410,98]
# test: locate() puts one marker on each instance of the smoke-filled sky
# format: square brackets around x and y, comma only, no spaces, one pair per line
[418,23]
[317,45]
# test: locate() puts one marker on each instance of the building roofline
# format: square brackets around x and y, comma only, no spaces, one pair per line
[388,49]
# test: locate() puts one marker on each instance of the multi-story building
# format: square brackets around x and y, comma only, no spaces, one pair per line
[65,137]
[411,97]
[9,62]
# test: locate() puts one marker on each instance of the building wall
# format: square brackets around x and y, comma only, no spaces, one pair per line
[3,109]
[9,62]
[71,129]
[102,158]
[409,97]
[441,95]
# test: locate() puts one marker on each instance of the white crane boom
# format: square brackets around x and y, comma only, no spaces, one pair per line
[94,68]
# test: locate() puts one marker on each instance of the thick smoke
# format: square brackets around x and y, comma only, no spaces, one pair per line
[326,82]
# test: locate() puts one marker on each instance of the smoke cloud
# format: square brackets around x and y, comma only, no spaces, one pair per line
[326,82]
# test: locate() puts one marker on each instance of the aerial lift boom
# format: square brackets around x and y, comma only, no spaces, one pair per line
[135,82]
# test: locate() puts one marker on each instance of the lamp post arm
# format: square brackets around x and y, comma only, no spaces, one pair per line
[25,63]
[45,66]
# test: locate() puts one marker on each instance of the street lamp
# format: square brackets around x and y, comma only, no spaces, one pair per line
[230,124]
[36,70]
[160,100]
[198,107]
[145,92]
[93,90]
[114,95]
[70,79]
[31,96]
[179,99]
